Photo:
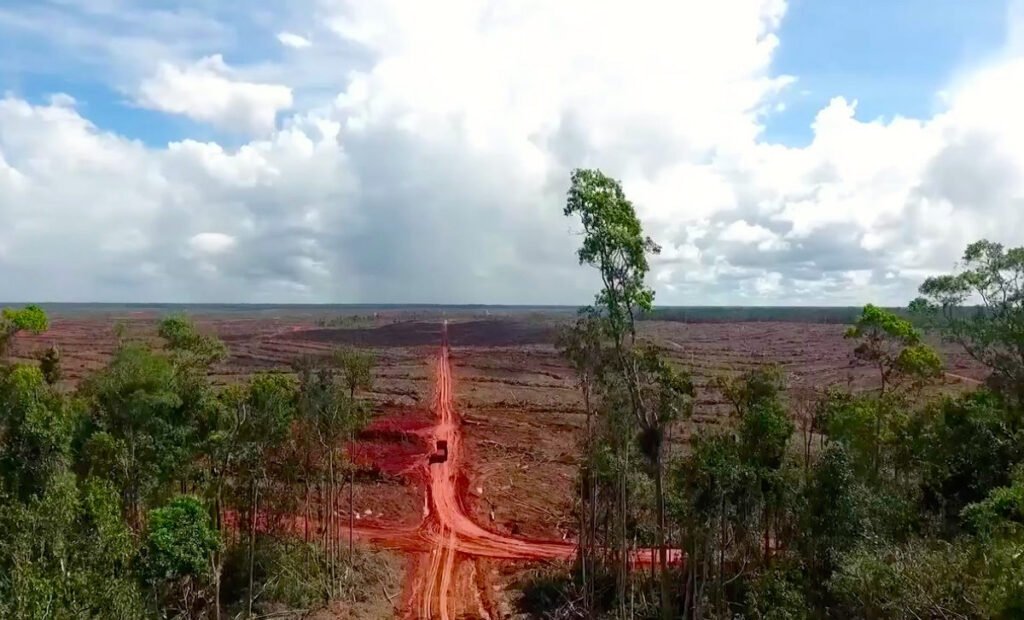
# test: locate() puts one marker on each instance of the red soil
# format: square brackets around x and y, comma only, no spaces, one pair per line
[518,420]
[444,582]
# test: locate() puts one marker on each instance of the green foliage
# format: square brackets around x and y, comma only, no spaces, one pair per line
[325,405]
[964,447]
[776,595]
[765,430]
[851,421]
[270,401]
[666,393]
[902,508]
[30,318]
[356,369]
[292,575]
[831,519]
[613,243]
[581,343]
[85,475]
[184,338]
[893,345]
[1002,564]
[179,541]
[67,554]
[35,431]
[993,333]
[49,364]
[752,388]
[918,580]
[137,403]
[1001,512]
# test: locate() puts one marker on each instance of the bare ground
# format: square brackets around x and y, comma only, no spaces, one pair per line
[522,413]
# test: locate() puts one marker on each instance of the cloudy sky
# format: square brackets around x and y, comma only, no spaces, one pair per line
[781,152]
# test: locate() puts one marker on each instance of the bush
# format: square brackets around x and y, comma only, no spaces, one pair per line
[776,595]
[916,580]
[294,576]
[180,541]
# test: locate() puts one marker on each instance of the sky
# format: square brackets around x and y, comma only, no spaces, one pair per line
[800,152]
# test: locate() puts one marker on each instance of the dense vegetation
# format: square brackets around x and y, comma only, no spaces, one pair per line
[893,506]
[149,492]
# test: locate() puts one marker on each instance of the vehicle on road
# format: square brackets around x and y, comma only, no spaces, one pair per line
[441,454]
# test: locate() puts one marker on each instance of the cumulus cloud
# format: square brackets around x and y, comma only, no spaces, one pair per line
[437,170]
[206,91]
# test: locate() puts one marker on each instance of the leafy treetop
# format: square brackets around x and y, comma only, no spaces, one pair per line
[991,277]
[179,540]
[30,318]
[893,345]
[614,243]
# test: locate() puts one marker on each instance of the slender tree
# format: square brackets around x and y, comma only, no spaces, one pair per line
[614,244]
[356,374]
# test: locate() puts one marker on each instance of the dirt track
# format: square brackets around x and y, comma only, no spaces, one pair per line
[511,401]
[444,582]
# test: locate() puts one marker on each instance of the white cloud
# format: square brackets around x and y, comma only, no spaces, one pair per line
[206,91]
[290,39]
[211,243]
[743,232]
[438,168]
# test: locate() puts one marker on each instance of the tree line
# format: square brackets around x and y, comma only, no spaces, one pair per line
[902,501]
[149,492]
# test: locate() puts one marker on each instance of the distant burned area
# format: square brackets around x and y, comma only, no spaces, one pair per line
[503,332]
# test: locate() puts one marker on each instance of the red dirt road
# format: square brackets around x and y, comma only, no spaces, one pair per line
[443,583]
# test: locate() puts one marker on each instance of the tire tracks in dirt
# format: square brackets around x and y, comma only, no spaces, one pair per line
[448,582]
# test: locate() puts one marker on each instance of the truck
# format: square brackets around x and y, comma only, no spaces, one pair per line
[441,454]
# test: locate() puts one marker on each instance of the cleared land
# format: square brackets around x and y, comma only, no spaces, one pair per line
[520,411]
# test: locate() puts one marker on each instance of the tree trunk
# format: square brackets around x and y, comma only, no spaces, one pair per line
[215,561]
[659,539]
[623,541]
[582,536]
[305,512]
[351,502]
[586,504]
[688,584]
[721,556]
[252,544]
[331,543]
[767,534]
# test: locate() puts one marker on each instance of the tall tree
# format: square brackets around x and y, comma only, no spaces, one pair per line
[582,344]
[614,244]
[139,437]
[356,374]
[991,279]
[258,420]
[893,346]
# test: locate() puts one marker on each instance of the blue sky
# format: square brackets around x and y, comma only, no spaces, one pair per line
[892,56]
[397,151]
